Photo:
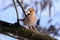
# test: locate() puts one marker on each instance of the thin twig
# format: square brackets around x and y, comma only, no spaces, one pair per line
[16,11]
[21,7]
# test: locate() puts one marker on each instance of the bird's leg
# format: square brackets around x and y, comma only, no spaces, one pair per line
[34,28]
[30,27]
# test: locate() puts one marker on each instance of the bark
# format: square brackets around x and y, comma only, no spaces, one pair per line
[18,31]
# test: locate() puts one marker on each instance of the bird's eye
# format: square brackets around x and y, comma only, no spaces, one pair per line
[30,11]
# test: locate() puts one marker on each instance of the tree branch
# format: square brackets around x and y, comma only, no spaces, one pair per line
[16,11]
[19,31]
[21,7]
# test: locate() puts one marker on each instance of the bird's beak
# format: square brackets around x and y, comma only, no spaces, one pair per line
[27,12]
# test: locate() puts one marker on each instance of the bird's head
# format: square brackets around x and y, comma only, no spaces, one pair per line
[31,12]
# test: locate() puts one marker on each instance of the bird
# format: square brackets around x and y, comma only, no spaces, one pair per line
[30,18]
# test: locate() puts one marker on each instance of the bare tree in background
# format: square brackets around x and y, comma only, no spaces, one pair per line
[50,5]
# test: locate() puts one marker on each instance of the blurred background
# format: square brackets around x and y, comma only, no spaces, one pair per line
[47,14]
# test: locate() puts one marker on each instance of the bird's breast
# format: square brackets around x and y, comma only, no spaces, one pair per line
[29,20]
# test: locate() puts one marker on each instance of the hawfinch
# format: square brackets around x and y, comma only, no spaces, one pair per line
[30,18]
